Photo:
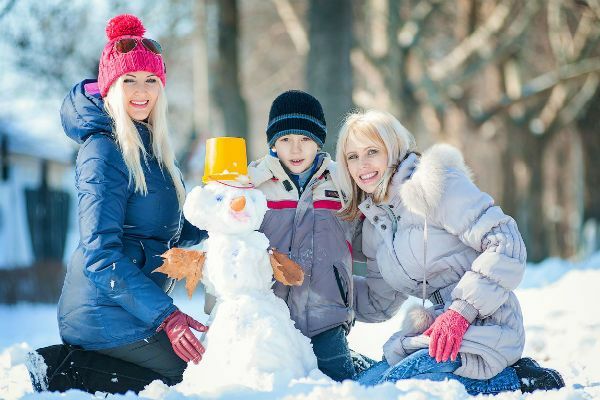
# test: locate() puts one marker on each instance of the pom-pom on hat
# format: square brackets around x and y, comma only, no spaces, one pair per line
[114,63]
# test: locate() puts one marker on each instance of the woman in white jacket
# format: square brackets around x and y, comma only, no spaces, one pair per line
[433,234]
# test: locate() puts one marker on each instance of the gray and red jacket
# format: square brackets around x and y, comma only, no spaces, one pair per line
[305,226]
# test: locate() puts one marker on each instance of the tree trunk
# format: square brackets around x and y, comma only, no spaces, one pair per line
[225,84]
[329,72]
[564,192]
[524,189]
[589,128]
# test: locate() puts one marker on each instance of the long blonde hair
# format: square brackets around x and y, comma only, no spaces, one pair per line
[131,144]
[382,129]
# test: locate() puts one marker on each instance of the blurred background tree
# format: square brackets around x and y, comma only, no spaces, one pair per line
[512,83]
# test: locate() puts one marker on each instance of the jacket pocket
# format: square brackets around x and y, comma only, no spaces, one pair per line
[134,250]
[342,283]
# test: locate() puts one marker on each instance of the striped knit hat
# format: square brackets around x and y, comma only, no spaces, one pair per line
[296,113]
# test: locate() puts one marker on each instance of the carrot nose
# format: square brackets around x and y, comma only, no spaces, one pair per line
[238,204]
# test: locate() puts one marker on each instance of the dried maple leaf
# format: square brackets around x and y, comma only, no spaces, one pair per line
[180,263]
[285,270]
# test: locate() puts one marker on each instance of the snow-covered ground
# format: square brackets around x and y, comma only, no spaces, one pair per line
[559,302]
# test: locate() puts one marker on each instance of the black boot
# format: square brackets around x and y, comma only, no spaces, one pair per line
[63,367]
[42,363]
[533,377]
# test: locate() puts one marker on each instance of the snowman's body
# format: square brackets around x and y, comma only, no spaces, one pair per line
[252,342]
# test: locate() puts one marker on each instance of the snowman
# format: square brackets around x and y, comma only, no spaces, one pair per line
[251,342]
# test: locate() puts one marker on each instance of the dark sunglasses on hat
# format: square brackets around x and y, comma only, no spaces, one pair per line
[127,44]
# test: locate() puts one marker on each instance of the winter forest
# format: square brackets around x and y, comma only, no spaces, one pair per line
[513,84]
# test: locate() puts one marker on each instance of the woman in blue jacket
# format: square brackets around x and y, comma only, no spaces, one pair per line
[130,197]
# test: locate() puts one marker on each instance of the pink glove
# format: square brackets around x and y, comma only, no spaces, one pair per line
[186,345]
[446,334]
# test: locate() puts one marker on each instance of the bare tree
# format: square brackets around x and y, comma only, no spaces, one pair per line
[328,69]
[510,73]
[224,75]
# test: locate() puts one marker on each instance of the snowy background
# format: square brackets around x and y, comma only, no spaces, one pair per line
[558,298]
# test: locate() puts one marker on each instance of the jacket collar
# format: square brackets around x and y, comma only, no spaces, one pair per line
[270,167]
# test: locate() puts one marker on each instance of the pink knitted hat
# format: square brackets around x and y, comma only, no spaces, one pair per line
[113,63]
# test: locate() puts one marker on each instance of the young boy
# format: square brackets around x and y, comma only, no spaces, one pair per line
[303,201]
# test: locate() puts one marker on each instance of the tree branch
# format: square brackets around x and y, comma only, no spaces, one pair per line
[473,43]
[595,6]
[542,84]
[561,41]
[577,104]
[567,48]
[511,43]
[410,33]
[571,111]
[588,27]
[293,26]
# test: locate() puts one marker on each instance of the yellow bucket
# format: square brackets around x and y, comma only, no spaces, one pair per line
[225,159]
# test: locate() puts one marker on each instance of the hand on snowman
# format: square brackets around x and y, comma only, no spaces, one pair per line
[185,344]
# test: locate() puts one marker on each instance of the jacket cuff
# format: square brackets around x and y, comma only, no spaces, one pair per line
[161,318]
[465,309]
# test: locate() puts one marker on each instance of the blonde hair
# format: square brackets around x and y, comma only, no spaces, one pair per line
[382,129]
[131,144]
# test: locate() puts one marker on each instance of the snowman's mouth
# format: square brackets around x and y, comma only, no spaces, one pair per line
[241,216]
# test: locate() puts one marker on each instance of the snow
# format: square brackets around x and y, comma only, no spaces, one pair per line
[558,298]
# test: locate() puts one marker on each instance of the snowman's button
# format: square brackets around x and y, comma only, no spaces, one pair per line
[376,218]
[383,226]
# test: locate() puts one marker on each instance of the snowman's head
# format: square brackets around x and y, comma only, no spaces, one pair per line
[220,208]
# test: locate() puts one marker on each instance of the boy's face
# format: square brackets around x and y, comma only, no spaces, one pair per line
[296,152]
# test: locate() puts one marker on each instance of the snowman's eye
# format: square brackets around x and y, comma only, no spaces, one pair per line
[219,197]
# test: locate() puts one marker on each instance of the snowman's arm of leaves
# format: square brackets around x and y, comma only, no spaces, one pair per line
[181,263]
[285,270]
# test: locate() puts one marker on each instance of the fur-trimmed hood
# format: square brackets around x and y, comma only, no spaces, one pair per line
[422,192]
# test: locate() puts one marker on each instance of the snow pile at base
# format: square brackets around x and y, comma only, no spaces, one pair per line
[251,343]
[561,323]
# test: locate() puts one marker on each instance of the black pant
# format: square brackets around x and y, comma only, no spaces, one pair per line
[155,353]
[118,370]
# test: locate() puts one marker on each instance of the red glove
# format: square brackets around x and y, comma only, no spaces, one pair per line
[186,345]
[446,334]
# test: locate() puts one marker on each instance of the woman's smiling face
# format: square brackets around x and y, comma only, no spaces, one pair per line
[140,90]
[367,161]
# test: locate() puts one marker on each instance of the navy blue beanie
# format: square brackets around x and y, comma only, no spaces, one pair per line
[296,113]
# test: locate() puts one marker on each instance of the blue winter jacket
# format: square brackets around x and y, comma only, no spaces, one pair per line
[110,296]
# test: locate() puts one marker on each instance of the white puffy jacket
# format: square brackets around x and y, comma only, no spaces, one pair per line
[475,256]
